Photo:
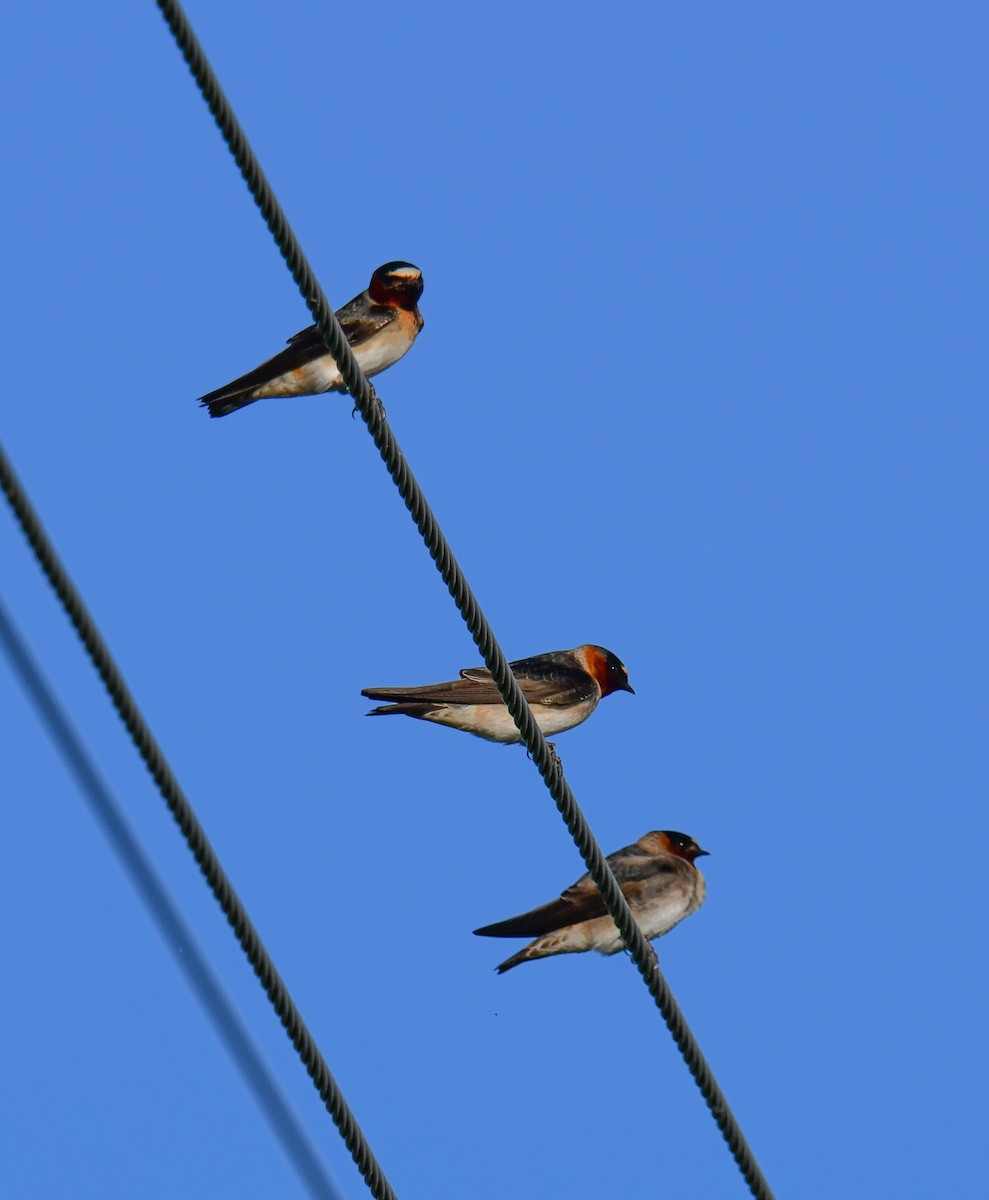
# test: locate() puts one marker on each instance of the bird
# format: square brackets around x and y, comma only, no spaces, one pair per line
[562,687]
[658,879]
[380,324]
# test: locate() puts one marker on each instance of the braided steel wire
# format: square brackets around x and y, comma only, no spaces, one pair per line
[194,834]
[372,412]
[548,766]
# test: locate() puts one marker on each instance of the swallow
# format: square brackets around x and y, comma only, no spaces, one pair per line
[563,688]
[658,879]
[380,324]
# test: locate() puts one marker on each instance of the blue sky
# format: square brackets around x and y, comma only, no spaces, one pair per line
[702,380]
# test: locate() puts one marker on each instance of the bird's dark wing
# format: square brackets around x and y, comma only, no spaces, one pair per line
[457,691]
[359,321]
[299,354]
[556,915]
[583,902]
[560,686]
[543,680]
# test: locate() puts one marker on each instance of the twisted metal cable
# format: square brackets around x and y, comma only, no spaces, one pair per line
[372,412]
[178,937]
[194,834]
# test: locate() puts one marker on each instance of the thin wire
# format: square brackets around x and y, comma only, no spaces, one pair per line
[194,834]
[373,414]
[177,935]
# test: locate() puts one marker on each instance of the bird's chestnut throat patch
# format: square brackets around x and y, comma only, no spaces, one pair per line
[402,292]
[596,664]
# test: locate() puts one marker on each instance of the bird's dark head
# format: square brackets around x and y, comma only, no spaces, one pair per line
[607,669]
[396,284]
[681,845]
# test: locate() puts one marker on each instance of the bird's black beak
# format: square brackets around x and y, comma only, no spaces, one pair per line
[702,853]
[627,687]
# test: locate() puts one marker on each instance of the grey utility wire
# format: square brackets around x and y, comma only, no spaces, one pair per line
[177,935]
[371,410]
[194,834]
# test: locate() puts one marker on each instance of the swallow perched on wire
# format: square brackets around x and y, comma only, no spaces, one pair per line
[563,688]
[658,879]
[380,324]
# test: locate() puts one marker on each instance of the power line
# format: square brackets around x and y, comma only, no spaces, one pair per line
[549,767]
[194,834]
[177,935]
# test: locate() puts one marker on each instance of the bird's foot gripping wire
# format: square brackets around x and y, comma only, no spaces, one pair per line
[376,406]
[553,755]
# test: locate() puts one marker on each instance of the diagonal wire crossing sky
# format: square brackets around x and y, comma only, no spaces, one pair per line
[372,412]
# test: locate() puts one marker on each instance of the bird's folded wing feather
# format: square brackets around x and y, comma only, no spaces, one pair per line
[477,687]
[301,351]
[546,685]
[456,691]
[583,901]
[358,324]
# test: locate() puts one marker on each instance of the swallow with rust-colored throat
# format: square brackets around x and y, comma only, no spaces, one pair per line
[658,879]
[380,324]
[563,688]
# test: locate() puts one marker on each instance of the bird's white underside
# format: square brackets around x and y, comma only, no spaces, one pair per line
[602,934]
[380,352]
[492,721]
